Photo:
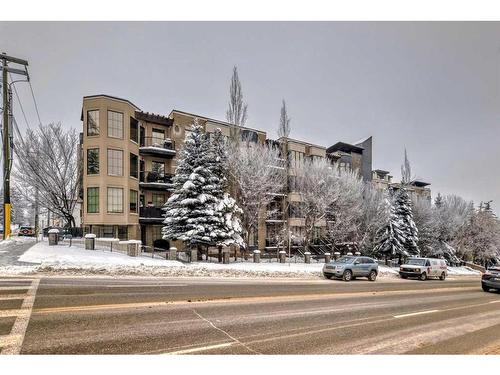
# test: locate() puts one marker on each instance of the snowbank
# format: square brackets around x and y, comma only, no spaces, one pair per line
[75,261]
[15,240]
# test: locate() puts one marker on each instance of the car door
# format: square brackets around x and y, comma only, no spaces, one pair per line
[357,267]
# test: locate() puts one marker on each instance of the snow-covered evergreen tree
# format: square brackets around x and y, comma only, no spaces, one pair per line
[390,237]
[403,210]
[189,212]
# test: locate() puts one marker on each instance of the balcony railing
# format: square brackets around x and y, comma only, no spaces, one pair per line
[155,145]
[154,176]
[151,214]
[275,216]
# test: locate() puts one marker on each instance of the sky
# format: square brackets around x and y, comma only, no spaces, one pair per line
[432,88]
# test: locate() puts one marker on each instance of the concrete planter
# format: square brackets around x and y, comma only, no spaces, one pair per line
[328,257]
[307,257]
[90,241]
[282,256]
[172,253]
[225,255]
[336,255]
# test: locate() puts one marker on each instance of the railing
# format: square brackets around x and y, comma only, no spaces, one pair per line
[153,176]
[274,215]
[165,143]
[151,212]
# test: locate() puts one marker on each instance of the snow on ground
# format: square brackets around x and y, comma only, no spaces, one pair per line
[76,260]
[14,240]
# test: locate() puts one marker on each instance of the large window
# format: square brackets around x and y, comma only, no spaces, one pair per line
[115,124]
[92,200]
[93,122]
[93,161]
[134,171]
[158,200]
[134,130]
[295,159]
[115,162]
[133,201]
[115,200]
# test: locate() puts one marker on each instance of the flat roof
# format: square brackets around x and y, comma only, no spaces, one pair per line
[113,98]
[345,147]
[302,142]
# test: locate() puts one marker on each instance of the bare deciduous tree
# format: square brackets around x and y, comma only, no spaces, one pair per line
[47,160]
[257,174]
[237,111]
[284,128]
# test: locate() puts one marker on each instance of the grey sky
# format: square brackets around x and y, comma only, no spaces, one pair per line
[432,87]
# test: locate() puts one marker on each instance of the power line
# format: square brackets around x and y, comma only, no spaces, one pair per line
[34,100]
[19,100]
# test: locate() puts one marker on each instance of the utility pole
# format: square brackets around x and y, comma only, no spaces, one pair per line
[7,114]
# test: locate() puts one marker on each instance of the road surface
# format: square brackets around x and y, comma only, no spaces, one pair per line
[228,316]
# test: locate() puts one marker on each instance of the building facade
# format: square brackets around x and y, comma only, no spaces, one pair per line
[129,158]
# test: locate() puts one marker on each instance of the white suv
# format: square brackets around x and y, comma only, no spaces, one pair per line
[424,268]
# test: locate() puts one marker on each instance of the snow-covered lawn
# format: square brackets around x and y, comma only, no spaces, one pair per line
[76,260]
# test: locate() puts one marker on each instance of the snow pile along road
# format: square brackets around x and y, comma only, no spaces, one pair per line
[74,261]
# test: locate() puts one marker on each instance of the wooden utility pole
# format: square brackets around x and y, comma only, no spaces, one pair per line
[7,115]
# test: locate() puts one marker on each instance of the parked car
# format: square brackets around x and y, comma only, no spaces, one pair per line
[423,268]
[26,230]
[491,279]
[350,267]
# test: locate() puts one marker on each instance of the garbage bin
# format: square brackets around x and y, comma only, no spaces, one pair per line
[53,237]
[194,255]
[225,256]
[90,241]
[307,257]
[336,255]
[328,257]
[133,248]
[256,256]
[357,253]
[349,253]
[282,256]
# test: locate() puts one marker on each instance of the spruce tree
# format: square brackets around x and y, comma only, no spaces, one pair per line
[403,210]
[189,212]
[390,236]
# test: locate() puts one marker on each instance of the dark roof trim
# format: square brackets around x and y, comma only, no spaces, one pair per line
[113,98]
[419,183]
[153,118]
[381,171]
[345,147]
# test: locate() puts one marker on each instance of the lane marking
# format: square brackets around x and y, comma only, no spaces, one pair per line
[497,301]
[263,299]
[6,297]
[19,287]
[13,312]
[18,330]
[6,340]
[201,349]
[415,313]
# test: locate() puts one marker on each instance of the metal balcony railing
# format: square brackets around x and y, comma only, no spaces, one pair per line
[151,212]
[163,143]
[154,176]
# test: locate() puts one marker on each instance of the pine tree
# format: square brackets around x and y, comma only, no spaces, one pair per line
[403,209]
[189,212]
[390,236]
[438,202]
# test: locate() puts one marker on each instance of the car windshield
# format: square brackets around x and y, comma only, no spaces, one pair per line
[416,262]
[345,260]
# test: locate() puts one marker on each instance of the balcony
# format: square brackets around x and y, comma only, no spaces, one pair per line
[275,217]
[151,215]
[157,147]
[153,180]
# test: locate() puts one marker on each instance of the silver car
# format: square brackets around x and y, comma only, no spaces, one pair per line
[350,267]
[491,279]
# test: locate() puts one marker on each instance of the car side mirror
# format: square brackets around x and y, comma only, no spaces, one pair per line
[357,262]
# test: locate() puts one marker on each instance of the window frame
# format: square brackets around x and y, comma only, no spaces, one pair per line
[110,111]
[136,201]
[111,188]
[98,123]
[98,162]
[109,164]
[136,165]
[97,189]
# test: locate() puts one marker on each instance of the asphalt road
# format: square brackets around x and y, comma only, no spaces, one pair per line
[224,316]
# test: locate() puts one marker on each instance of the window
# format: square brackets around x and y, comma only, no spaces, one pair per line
[108,231]
[158,200]
[295,159]
[134,172]
[158,136]
[115,124]
[134,130]
[115,200]
[133,201]
[93,161]
[92,200]
[115,162]
[158,167]
[93,122]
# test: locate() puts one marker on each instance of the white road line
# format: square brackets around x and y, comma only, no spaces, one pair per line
[7,340]
[18,287]
[6,297]
[416,313]
[12,312]
[18,330]
[498,301]
[201,348]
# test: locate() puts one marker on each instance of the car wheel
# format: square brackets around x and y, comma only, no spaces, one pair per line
[404,276]
[327,276]
[347,276]
[485,288]
[373,275]
[443,276]
[423,276]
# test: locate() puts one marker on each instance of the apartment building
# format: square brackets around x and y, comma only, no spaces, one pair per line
[129,157]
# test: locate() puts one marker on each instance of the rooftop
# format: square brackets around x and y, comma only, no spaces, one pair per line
[345,147]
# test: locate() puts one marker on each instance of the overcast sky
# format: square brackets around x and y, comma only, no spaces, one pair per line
[430,87]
